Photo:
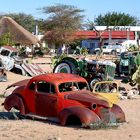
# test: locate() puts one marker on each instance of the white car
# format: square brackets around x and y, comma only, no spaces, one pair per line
[12,62]
[111,49]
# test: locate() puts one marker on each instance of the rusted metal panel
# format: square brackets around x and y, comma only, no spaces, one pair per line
[14,101]
[120,115]
[20,83]
[32,69]
[86,97]
[46,105]
[86,116]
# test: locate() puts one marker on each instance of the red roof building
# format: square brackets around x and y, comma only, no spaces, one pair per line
[91,39]
[106,34]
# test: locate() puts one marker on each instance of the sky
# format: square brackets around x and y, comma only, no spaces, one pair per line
[92,7]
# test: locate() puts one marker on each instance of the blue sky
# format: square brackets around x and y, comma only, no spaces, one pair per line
[92,7]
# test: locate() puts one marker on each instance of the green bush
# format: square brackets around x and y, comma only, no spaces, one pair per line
[133,47]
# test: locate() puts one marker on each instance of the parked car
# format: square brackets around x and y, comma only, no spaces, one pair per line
[111,49]
[51,96]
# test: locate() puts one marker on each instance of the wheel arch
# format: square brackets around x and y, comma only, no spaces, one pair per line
[15,100]
[119,113]
[85,115]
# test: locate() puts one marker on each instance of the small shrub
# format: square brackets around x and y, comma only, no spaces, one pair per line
[133,47]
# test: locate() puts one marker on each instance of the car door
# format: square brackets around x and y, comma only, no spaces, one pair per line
[30,97]
[46,99]
[108,90]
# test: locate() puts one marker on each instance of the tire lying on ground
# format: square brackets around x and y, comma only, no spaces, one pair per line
[65,67]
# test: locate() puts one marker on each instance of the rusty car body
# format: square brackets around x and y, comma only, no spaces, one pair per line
[50,96]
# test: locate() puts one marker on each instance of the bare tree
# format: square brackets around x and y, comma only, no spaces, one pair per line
[62,22]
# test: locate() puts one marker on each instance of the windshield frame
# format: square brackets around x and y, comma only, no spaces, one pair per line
[68,86]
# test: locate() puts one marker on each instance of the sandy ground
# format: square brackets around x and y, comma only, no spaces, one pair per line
[12,128]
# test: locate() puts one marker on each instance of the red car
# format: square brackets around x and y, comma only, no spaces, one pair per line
[62,97]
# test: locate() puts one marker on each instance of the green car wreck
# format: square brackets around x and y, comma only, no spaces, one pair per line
[92,70]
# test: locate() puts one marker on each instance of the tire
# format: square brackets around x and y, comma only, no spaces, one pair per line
[93,82]
[126,74]
[97,52]
[133,83]
[118,71]
[113,52]
[65,67]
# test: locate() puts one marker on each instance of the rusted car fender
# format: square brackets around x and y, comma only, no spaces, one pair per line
[120,115]
[85,115]
[20,83]
[15,101]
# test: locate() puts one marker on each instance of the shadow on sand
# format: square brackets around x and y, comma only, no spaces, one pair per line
[17,116]
[10,115]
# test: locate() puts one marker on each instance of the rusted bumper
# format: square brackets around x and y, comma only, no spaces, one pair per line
[101,125]
[111,116]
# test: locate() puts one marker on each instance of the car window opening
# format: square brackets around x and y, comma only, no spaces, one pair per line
[45,87]
[73,86]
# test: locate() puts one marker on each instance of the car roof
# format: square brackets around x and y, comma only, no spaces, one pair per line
[10,48]
[57,78]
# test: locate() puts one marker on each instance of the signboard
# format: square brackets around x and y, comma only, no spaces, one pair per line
[118,28]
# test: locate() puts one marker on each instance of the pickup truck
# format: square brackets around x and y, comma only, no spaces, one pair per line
[111,49]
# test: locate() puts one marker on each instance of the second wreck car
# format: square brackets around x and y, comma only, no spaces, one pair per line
[9,57]
[92,70]
[64,98]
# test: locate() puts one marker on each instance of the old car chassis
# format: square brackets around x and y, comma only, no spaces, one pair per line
[51,96]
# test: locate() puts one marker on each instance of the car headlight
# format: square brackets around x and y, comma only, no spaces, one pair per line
[93,106]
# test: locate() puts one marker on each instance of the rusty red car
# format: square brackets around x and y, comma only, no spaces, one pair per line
[64,98]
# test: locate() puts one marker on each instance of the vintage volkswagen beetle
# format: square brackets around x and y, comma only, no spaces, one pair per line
[51,96]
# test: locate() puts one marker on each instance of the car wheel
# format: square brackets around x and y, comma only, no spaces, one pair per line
[93,82]
[65,67]
[113,52]
[133,83]
[97,52]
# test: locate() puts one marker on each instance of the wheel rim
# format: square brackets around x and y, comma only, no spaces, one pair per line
[113,52]
[62,68]
[93,82]
[97,52]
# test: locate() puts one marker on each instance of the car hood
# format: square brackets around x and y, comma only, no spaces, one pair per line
[88,98]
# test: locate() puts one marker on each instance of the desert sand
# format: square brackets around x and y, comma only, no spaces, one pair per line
[14,128]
